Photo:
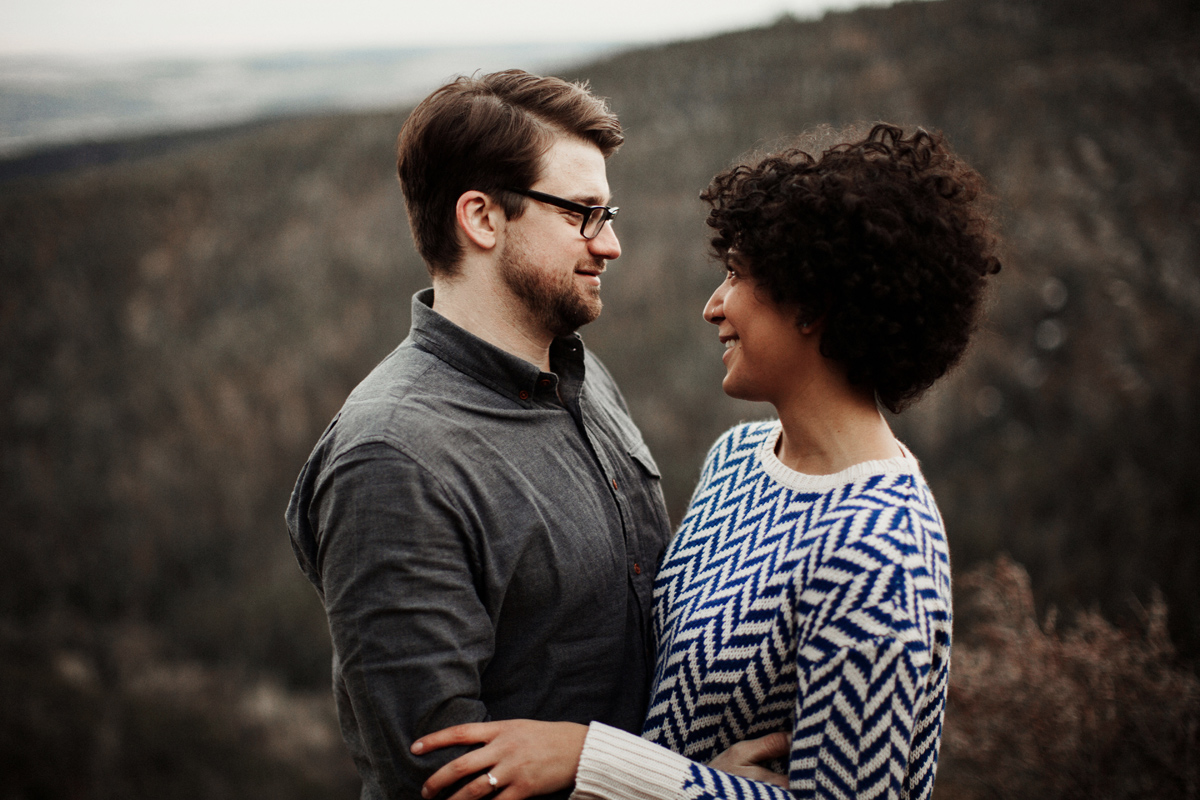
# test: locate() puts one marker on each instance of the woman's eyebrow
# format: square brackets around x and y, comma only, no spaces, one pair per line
[734,259]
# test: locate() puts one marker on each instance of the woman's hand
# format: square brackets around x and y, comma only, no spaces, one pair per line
[744,758]
[520,758]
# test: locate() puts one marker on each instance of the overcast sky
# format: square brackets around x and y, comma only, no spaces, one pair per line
[159,27]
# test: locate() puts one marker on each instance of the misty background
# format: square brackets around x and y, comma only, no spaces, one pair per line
[48,100]
[202,257]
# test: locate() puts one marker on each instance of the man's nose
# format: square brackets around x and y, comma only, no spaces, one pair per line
[605,244]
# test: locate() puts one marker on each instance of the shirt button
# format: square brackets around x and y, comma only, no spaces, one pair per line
[614,484]
[524,395]
[545,382]
[637,569]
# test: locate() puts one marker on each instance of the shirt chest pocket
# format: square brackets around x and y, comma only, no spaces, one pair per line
[640,453]
[636,482]
[652,526]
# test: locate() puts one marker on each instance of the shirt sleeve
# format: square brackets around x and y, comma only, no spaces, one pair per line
[411,636]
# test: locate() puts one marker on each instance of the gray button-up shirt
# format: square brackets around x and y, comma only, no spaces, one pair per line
[484,536]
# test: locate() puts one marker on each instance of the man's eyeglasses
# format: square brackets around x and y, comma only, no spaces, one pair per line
[594,217]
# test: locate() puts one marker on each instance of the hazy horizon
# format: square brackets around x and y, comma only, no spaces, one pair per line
[70,74]
[241,28]
[48,101]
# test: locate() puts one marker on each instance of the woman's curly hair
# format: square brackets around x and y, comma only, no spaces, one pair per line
[886,240]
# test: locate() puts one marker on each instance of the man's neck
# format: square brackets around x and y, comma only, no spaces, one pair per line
[488,309]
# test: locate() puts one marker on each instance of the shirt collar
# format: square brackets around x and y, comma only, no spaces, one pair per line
[509,375]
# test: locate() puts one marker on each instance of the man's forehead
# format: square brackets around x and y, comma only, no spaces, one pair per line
[575,169]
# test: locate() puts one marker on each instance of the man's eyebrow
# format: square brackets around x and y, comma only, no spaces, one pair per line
[592,200]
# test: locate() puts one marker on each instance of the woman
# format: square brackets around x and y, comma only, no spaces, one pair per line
[808,589]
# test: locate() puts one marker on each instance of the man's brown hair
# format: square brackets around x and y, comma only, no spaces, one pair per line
[488,133]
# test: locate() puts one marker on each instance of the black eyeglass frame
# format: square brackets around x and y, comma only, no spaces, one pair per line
[606,212]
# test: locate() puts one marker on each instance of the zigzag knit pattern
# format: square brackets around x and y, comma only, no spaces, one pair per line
[816,606]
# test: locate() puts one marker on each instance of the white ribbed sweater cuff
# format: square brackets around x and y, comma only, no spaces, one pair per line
[616,765]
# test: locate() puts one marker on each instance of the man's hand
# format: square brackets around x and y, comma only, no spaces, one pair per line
[744,758]
[520,758]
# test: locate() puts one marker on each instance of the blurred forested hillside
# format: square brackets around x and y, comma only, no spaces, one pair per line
[178,326]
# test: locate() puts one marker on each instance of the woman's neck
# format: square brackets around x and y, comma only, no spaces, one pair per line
[831,427]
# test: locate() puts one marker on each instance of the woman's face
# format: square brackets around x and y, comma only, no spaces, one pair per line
[766,355]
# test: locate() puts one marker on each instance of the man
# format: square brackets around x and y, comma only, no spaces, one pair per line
[482,519]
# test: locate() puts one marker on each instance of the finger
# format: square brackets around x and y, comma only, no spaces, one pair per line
[513,792]
[773,745]
[766,776]
[480,787]
[462,767]
[469,733]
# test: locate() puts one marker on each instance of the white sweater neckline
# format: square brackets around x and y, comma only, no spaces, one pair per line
[801,481]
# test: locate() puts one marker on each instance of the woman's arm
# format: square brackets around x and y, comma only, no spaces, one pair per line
[857,715]
[528,758]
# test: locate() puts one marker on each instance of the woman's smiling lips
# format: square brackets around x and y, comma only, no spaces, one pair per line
[729,341]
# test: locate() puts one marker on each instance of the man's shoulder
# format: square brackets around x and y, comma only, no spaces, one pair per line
[406,403]
[597,378]
[595,367]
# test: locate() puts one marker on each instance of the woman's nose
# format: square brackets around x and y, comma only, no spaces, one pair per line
[713,308]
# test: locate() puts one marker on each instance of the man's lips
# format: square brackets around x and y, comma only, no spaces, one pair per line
[590,274]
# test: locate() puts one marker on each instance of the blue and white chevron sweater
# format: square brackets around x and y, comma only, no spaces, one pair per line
[817,605]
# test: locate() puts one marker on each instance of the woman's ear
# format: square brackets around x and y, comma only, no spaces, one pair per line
[809,322]
[479,218]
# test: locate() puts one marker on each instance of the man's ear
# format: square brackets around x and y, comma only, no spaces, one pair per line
[479,218]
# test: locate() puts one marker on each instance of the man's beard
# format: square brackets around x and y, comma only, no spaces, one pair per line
[555,301]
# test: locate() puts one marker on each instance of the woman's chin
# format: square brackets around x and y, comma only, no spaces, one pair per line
[738,391]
